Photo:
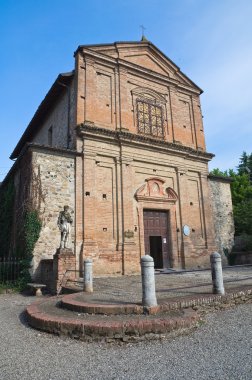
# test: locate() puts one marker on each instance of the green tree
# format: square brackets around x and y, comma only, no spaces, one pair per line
[245,165]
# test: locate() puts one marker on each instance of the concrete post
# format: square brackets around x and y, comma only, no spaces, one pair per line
[148,281]
[88,276]
[216,269]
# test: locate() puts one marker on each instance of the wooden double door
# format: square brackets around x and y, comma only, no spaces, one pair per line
[156,237]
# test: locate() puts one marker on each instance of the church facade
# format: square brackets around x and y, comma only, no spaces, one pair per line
[120,140]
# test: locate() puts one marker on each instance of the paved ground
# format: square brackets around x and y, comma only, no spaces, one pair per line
[219,349]
[129,288]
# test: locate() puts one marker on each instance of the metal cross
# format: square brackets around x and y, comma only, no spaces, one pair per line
[143,29]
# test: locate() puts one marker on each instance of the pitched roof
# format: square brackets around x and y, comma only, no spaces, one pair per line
[50,98]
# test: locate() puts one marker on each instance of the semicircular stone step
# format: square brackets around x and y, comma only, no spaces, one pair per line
[45,315]
[82,303]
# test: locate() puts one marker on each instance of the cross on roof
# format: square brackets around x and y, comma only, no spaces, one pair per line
[143,29]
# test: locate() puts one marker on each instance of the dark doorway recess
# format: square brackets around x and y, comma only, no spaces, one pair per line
[156,237]
[156,250]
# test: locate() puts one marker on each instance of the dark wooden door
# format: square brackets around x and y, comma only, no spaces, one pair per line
[156,237]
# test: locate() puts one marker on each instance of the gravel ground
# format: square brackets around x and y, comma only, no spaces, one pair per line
[219,349]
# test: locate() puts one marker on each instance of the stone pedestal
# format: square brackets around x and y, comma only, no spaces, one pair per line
[64,265]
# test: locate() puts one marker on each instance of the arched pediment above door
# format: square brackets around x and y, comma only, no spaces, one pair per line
[154,190]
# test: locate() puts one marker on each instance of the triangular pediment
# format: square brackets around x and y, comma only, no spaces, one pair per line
[148,62]
[146,55]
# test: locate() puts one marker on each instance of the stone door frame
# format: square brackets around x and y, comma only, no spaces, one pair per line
[153,196]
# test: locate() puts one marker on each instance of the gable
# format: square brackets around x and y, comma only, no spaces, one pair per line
[148,62]
[146,55]
[150,58]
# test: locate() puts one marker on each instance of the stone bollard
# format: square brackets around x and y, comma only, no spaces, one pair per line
[216,269]
[148,281]
[88,276]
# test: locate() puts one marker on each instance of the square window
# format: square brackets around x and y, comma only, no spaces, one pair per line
[149,118]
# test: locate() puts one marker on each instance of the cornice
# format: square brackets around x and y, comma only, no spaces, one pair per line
[124,137]
[217,178]
[139,70]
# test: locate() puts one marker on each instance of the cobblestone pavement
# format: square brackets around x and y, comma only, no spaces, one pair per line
[221,348]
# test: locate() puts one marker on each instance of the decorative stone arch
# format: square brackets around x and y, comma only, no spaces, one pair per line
[145,92]
[153,195]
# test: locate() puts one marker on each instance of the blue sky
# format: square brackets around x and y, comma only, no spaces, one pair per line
[210,40]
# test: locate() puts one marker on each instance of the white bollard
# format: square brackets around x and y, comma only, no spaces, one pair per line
[148,281]
[88,276]
[216,269]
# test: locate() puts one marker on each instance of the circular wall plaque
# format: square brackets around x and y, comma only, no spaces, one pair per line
[186,230]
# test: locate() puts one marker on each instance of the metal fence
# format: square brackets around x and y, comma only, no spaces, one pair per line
[10,269]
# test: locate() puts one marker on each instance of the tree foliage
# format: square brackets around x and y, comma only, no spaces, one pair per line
[7,198]
[241,190]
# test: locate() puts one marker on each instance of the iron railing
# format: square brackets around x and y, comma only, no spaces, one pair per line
[10,269]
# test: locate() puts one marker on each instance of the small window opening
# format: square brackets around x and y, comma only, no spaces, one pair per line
[50,136]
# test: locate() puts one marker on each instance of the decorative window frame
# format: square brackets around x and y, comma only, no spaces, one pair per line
[150,127]
[151,97]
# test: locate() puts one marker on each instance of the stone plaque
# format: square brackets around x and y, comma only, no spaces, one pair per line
[128,234]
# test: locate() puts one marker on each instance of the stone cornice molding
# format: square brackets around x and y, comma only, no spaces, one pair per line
[128,138]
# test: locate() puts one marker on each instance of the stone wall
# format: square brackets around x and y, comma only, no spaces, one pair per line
[222,213]
[56,174]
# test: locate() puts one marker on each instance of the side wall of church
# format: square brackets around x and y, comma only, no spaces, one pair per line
[57,120]
[222,214]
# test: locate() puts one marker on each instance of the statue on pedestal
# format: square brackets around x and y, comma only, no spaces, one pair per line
[64,223]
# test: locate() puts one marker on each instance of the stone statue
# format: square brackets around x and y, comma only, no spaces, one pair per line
[64,223]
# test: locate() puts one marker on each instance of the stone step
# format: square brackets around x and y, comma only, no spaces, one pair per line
[94,318]
[47,316]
